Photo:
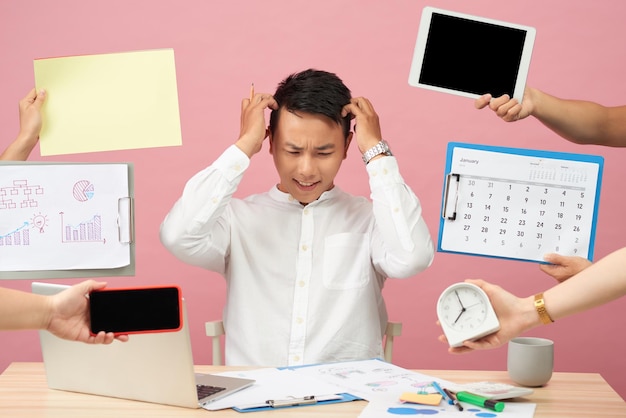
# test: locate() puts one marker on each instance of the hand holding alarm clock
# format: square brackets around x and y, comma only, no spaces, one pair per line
[465,313]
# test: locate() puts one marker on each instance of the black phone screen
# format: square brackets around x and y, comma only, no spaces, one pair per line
[135,310]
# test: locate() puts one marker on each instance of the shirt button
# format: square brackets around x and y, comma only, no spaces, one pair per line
[306,212]
[301,283]
[296,358]
[237,167]
[290,198]
[215,200]
[304,248]
[396,210]
[385,171]
[299,321]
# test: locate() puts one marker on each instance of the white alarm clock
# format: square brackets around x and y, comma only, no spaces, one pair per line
[465,313]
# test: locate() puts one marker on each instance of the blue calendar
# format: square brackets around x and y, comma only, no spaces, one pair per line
[519,203]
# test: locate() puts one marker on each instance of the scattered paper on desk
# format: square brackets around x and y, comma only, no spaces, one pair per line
[272,384]
[106,102]
[381,409]
[383,383]
[370,379]
[62,216]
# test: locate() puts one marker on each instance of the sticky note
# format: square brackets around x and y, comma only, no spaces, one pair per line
[105,102]
[421,398]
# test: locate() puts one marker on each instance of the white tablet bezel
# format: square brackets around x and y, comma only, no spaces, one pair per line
[420,48]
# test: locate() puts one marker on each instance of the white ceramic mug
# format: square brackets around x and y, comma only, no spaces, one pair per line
[530,360]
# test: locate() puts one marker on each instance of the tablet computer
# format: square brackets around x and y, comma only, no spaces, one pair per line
[469,55]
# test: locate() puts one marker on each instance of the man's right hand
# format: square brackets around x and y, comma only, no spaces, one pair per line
[253,130]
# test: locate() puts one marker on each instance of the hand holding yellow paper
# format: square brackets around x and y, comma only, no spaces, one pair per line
[109,102]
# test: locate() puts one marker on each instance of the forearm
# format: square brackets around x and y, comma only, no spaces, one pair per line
[197,213]
[20,149]
[598,284]
[406,242]
[579,121]
[21,310]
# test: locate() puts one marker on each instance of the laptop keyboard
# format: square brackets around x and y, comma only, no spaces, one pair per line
[206,390]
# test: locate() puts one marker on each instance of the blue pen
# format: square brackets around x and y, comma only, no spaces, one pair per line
[444,394]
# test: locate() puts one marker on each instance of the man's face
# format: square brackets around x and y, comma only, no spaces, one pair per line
[308,150]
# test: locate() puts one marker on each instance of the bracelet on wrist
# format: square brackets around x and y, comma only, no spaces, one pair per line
[540,307]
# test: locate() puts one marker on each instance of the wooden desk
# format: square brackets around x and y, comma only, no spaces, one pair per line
[25,394]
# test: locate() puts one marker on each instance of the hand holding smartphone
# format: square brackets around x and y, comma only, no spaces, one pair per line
[136,310]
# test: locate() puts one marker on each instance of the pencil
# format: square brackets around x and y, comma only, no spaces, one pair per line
[251,91]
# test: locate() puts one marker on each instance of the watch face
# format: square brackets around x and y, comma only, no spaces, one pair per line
[463,307]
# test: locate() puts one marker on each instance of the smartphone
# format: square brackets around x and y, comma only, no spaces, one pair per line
[136,310]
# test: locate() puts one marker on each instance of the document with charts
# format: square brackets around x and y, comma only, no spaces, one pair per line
[64,216]
[519,203]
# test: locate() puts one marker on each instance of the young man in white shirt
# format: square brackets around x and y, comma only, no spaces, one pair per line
[305,262]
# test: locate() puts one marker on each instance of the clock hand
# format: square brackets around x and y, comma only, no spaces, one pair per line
[458,317]
[459,298]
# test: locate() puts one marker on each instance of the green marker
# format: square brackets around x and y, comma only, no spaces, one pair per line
[480,401]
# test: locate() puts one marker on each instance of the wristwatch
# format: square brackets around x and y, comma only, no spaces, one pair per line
[541,309]
[381,148]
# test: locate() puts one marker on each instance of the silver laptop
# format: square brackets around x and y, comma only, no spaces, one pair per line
[153,367]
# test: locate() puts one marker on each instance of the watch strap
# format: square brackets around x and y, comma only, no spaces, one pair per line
[540,306]
[381,148]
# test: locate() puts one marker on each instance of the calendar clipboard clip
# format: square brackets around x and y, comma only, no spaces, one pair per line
[451,196]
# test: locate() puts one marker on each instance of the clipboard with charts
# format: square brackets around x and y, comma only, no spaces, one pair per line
[519,203]
[61,220]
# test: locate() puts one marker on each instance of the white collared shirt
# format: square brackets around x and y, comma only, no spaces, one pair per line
[303,282]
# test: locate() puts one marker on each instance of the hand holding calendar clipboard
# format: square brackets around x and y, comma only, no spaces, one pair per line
[518,203]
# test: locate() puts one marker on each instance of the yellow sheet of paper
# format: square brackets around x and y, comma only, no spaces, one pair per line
[421,398]
[107,102]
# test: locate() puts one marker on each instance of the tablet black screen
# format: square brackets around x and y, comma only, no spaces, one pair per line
[470,56]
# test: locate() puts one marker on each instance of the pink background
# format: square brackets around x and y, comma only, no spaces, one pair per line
[223,46]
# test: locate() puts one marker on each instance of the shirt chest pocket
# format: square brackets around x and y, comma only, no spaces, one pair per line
[346,261]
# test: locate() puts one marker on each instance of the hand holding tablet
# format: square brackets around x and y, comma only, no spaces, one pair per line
[469,56]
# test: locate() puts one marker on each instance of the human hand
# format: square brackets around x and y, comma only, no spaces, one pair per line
[69,315]
[30,126]
[509,110]
[253,129]
[30,115]
[366,119]
[509,309]
[563,267]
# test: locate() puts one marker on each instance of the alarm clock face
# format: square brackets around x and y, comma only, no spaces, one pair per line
[465,313]
[463,307]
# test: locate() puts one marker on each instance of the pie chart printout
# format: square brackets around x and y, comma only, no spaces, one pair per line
[83,190]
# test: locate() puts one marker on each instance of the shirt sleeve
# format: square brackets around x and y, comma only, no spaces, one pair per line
[401,243]
[196,230]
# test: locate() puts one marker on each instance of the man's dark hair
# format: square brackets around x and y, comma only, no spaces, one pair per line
[313,91]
